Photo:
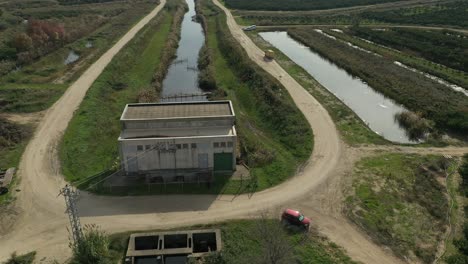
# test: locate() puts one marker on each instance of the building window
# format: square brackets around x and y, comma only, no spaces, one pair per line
[179,146]
[185,146]
[223,144]
[216,145]
[194,145]
[147,147]
[139,147]
[229,144]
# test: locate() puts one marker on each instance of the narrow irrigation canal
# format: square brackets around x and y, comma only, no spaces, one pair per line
[181,82]
[372,107]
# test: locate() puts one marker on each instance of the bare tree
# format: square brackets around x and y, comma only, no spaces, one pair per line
[275,244]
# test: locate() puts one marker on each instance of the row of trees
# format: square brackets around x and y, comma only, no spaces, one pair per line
[445,47]
[298,4]
[453,13]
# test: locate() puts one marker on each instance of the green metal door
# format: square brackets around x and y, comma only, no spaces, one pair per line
[223,161]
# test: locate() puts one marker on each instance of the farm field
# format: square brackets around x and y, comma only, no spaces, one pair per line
[405,55]
[444,47]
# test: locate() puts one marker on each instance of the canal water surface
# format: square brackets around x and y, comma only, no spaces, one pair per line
[182,77]
[373,108]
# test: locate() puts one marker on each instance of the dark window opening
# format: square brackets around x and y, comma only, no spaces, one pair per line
[175,241]
[204,242]
[146,242]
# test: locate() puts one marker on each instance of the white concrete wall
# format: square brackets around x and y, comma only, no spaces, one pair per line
[149,158]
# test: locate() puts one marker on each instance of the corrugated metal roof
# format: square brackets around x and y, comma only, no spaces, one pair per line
[177,110]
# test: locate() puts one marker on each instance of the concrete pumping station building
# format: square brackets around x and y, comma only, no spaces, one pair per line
[178,142]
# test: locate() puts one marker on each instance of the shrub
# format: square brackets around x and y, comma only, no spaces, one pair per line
[93,247]
[415,125]
[21,259]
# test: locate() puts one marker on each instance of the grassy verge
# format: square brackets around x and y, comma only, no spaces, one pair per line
[89,145]
[399,200]
[417,93]
[457,244]
[241,245]
[352,129]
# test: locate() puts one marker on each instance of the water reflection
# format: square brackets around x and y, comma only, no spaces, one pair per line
[372,107]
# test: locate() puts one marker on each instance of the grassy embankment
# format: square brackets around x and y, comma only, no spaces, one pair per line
[242,244]
[352,129]
[447,108]
[89,144]
[449,14]
[405,54]
[39,82]
[400,200]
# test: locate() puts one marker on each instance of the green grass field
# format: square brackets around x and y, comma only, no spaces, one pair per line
[399,201]
[89,144]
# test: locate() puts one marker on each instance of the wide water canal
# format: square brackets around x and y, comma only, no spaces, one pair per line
[373,108]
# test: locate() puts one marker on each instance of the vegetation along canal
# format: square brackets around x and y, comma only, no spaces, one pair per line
[182,76]
[372,107]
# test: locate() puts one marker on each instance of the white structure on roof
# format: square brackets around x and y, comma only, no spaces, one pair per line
[178,136]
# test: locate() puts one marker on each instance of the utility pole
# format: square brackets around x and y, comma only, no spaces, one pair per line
[70,195]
